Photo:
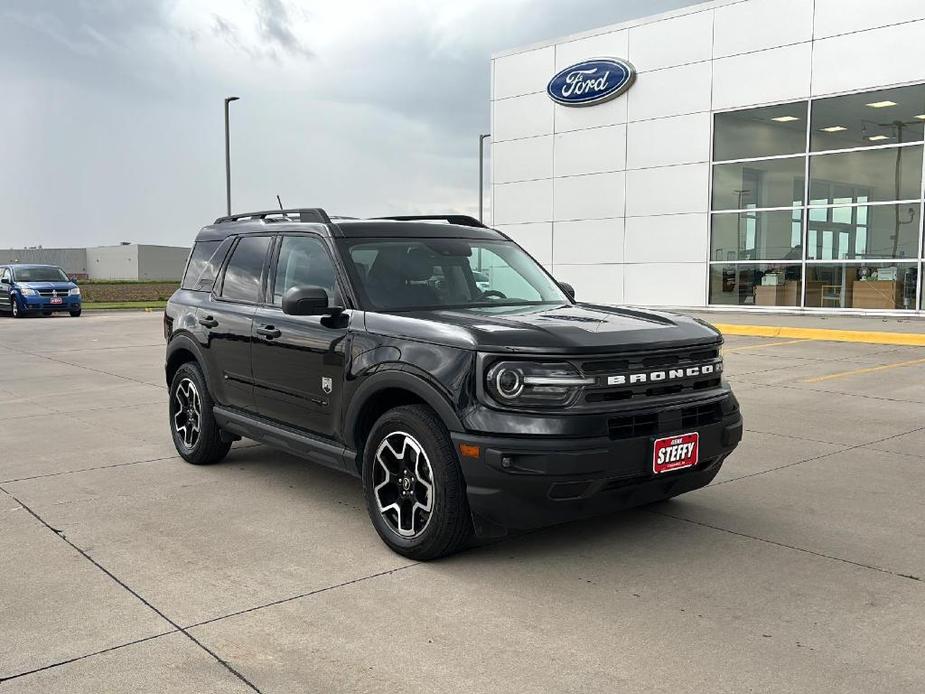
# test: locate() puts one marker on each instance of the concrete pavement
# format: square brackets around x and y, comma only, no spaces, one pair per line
[799,569]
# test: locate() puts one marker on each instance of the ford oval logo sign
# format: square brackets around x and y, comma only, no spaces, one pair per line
[591,82]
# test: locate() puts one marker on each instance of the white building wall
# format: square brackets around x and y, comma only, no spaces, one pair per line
[113,262]
[161,262]
[614,198]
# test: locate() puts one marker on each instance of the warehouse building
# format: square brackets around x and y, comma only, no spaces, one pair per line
[123,262]
[760,154]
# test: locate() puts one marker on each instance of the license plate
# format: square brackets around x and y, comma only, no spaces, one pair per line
[57,300]
[675,452]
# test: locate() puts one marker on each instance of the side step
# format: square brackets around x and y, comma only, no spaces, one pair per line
[302,445]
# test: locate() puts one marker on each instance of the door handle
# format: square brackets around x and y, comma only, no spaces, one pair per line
[268,331]
[208,322]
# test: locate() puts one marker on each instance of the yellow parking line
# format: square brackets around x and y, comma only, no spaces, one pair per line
[868,370]
[868,336]
[762,345]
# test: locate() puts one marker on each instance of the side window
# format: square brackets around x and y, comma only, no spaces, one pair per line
[5,274]
[242,276]
[304,262]
[211,269]
[199,258]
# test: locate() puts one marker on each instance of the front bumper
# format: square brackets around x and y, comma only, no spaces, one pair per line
[43,303]
[522,482]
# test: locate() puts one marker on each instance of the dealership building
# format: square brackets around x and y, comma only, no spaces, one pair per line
[759,154]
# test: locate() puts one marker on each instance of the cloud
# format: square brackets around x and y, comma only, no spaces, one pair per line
[112,115]
[275,28]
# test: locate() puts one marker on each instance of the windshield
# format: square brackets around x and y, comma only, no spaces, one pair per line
[42,273]
[406,274]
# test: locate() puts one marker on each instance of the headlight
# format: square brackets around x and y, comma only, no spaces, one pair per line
[524,383]
[74,292]
[26,291]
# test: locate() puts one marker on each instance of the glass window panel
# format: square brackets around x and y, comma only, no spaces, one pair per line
[757,236]
[883,286]
[304,262]
[879,175]
[244,271]
[755,285]
[754,132]
[770,183]
[866,231]
[199,258]
[856,120]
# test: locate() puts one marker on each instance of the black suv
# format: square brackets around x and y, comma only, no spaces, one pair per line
[374,346]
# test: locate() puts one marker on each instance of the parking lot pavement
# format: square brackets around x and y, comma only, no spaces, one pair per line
[800,569]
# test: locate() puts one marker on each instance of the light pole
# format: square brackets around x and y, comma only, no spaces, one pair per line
[482,173]
[228,100]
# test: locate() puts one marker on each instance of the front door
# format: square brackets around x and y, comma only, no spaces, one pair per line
[227,318]
[298,361]
[6,284]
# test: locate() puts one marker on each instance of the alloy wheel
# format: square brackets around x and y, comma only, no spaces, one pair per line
[403,484]
[14,308]
[187,413]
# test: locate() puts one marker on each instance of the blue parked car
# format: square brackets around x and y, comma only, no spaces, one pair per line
[41,289]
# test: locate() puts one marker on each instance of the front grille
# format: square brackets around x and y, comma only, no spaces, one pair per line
[676,419]
[601,368]
[633,426]
[701,415]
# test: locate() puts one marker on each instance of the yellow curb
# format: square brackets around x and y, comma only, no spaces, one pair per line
[868,336]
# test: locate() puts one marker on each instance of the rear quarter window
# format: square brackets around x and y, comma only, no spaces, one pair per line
[204,263]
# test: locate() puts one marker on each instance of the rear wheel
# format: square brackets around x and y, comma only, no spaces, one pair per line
[46,313]
[414,488]
[196,436]
[75,314]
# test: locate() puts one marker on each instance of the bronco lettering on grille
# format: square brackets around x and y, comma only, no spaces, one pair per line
[665,374]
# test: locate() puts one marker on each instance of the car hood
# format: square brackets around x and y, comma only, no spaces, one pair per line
[48,286]
[574,328]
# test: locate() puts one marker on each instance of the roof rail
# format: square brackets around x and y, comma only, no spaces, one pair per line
[308,214]
[460,219]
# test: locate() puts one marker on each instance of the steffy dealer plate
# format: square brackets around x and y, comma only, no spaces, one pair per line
[675,452]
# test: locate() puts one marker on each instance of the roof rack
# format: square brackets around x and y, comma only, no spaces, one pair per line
[308,214]
[460,219]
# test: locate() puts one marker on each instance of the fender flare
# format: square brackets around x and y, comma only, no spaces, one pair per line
[185,341]
[405,380]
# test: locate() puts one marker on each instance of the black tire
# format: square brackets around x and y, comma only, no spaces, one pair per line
[208,446]
[75,314]
[449,524]
[46,313]
[15,311]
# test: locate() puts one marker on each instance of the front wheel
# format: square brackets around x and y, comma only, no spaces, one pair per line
[14,308]
[196,436]
[414,488]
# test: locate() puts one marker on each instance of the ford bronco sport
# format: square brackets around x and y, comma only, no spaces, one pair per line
[370,346]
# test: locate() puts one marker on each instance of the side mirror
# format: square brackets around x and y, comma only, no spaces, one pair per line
[4,280]
[568,289]
[308,301]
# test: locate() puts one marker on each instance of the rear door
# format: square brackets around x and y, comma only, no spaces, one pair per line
[298,361]
[228,318]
